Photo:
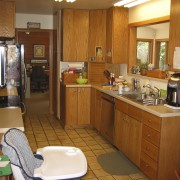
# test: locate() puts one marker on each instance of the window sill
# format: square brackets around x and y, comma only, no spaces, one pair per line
[146,77]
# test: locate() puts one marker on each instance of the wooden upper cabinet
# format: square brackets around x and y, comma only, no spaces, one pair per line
[7,19]
[117,35]
[174,36]
[75,24]
[97,35]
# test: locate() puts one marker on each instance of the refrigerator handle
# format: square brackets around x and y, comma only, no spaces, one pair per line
[25,78]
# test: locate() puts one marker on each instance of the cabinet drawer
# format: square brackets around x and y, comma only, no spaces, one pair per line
[135,112]
[150,149]
[152,121]
[121,106]
[151,135]
[148,166]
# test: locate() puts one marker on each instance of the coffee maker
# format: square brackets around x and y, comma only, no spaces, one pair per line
[173,90]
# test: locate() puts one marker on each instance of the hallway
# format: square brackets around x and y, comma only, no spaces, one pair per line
[43,129]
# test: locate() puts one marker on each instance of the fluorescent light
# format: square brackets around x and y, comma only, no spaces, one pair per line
[123,2]
[135,3]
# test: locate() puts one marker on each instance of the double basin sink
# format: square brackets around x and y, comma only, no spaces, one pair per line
[144,99]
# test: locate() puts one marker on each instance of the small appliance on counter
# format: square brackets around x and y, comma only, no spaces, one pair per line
[173,91]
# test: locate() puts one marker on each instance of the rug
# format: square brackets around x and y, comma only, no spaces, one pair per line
[116,163]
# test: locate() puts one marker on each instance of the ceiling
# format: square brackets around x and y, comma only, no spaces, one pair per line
[50,6]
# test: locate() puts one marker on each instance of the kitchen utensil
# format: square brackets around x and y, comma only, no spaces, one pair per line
[107,74]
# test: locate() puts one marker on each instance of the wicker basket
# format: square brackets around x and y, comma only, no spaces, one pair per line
[69,77]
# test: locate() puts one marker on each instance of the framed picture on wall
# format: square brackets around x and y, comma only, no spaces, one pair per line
[39,51]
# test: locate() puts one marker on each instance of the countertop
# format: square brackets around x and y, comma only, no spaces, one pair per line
[10,118]
[158,110]
[8,91]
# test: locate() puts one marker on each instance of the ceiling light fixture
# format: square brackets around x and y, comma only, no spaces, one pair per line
[71,1]
[130,3]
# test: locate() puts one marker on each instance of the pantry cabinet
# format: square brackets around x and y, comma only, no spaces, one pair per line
[117,35]
[128,130]
[7,19]
[75,32]
[97,35]
[75,106]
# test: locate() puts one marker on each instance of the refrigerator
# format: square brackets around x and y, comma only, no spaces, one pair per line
[12,68]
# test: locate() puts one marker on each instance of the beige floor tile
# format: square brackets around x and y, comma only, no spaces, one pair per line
[122,178]
[91,159]
[106,178]
[41,144]
[40,137]
[95,147]
[89,153]
[94,166]
[85,148]
[55,143]
[76,140]
[89,138]
[80,144]
[89,175]
[137,176]
[100,173]
[91,143]
[99,152]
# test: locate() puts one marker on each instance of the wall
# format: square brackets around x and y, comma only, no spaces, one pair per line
[144,12]
[45,20]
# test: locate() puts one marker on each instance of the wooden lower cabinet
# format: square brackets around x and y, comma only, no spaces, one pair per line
[128,132]
[75,106]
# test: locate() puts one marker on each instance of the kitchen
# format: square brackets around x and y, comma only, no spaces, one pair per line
[162,84]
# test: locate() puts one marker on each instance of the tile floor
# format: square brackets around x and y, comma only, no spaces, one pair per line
[44,129]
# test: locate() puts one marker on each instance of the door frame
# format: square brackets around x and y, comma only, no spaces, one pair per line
[51,111]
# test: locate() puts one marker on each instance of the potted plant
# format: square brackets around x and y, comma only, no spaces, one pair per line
[143,68]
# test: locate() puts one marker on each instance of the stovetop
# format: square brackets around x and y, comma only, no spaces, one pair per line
[9,101]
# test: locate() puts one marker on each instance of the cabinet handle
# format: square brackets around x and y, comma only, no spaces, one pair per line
[147,165]
[148,135]
[149,120]
[147,148]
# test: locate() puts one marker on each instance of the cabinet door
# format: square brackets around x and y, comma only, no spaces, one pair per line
[63,103]
[71,106]
[134,147]
[81,34]
[117,35]
[75,35]
[121,131]
[97,34]
[7,19]
[68,46]
[84,97]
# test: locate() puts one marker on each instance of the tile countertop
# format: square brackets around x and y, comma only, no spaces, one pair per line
[11,118]
[159,110]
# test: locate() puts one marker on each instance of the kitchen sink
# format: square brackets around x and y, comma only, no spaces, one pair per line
[144,99]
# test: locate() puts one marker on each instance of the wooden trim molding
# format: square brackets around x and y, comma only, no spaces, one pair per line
[150,21]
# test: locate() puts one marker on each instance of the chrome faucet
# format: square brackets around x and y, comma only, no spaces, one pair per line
[151,92]
[158,90]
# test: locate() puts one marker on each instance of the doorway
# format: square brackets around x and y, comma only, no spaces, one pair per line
[38,53]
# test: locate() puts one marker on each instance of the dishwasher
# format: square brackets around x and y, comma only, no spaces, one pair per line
[107,117]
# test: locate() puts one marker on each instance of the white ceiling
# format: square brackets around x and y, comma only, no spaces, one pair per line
[50,6]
